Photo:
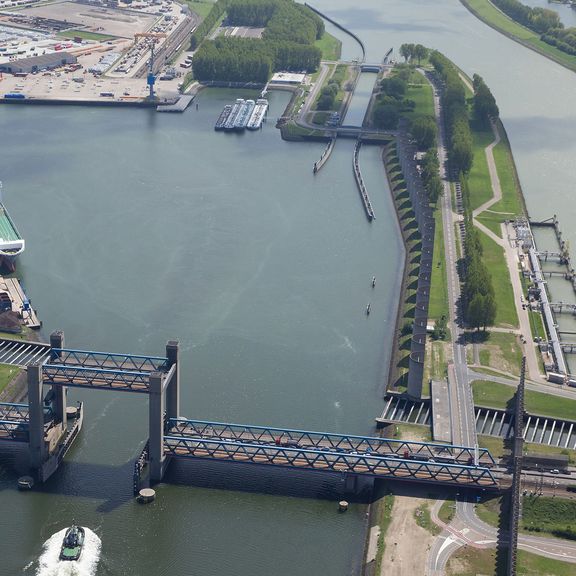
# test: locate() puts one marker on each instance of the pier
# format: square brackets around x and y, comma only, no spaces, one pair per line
[179,106]
[361,186]
[20,302]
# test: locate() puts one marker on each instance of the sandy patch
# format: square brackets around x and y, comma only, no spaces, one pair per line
[407,544]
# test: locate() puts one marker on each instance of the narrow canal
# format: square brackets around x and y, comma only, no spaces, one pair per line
[143,227]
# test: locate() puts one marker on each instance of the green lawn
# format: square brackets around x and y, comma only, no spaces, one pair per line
[7,374]
[331,47]
[200,7]
[494,445]
[420,91]
[85,35]
[495,395]
[494,259]
[552,450]
[447,511]
[479,178]
[550,515]
[487,12]
[492,394]
[470,561]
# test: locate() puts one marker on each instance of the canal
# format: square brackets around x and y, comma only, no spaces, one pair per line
[143,227]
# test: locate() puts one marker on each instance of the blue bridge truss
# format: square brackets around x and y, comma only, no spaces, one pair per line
[298,449]
[101,370]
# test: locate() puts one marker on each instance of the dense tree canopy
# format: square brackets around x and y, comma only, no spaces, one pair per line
[287,42]
[460,151]
[485,107]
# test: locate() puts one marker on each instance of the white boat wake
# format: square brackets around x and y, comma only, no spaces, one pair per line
[49,563]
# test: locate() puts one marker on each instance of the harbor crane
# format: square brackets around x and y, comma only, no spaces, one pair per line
[151,39]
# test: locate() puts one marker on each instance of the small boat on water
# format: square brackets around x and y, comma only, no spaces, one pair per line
[368,310]
[72,543]
[373,281]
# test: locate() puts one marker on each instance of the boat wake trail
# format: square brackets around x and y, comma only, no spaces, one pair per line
[49,563]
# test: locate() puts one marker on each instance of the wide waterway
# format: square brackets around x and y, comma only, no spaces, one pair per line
[142,227]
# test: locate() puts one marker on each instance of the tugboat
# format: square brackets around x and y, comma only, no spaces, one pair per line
[72,543]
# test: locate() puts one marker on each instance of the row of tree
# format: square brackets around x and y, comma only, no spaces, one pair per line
[287,42]
[478,301]
[411,52]
[460,151]
[543,21]
[328,95]
[538,19]
[485,107]
[563,38]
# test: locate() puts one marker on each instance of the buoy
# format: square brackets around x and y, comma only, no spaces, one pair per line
[25,483]
[146,495]
[342,506]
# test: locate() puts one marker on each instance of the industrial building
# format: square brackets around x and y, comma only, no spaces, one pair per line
[35,63]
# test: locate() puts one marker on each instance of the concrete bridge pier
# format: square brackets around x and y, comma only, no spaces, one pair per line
[36,417]
[156,427]
[58,393]
[173,386]
[164,402]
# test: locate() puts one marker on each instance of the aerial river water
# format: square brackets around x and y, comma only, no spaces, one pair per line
[144,227]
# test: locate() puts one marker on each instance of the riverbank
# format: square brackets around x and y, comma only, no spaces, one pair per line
[496,19]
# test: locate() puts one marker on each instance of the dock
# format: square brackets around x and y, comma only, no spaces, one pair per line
[179,106]
[20,302]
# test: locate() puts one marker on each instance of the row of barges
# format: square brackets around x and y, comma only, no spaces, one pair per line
[242,114]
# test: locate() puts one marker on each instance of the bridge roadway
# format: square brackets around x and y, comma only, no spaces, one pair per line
[359,455]
[101,370]
[173,437]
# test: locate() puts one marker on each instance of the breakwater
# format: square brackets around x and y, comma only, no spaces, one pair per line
[360,183]
[338,25]
[325,155]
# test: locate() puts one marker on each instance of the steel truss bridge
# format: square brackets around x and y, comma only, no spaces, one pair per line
[174,437]
[359,455]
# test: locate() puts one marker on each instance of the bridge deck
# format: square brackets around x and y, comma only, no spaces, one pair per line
[329,461]
[367,445]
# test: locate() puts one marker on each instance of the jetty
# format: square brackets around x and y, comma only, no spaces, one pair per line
[361,186]
[19,302]
[179,106]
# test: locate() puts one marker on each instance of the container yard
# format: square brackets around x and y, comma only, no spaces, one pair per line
[76,52]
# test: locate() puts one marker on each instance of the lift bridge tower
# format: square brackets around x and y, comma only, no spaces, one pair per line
[151,39]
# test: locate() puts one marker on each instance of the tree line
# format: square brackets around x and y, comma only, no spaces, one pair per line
[286,44]
[460,153]
[542,21]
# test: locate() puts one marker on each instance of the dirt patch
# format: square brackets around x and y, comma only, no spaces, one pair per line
[407,544]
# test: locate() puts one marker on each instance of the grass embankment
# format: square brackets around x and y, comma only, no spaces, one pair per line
[548,515]
[470,561]
[420,92]
[447,511]
[331,47]
[384,515]
[496,19]
[495,395]
[200,7]
[339,74]
[7,374]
